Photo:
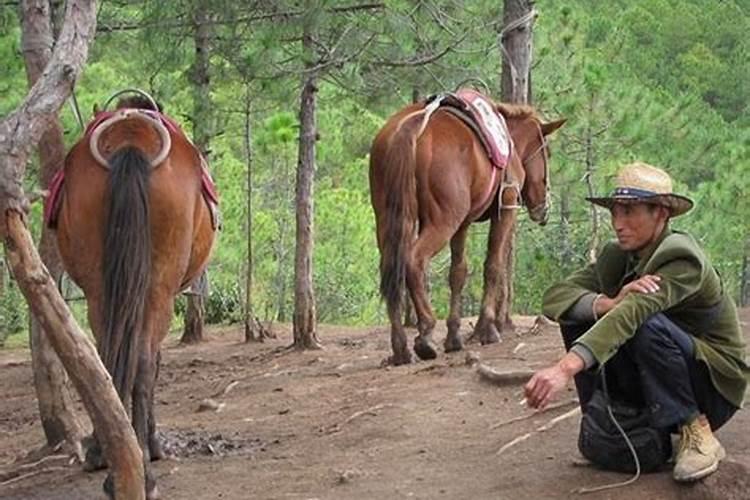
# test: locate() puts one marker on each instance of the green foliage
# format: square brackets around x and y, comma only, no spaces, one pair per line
[14,318]
[664,81]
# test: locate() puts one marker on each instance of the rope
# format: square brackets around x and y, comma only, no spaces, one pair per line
[611,486]
[479,81]
[76,109]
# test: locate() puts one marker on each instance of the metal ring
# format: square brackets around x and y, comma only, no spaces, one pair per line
[481,82]
[135,91]
[125,114]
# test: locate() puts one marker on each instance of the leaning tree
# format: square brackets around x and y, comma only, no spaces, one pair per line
[20,131]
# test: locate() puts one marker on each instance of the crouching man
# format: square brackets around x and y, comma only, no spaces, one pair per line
[653,308]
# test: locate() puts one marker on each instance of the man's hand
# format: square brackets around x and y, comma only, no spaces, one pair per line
[546,383]
[648,283]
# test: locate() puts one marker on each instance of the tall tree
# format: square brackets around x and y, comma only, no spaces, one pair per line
[19,132]
[254,330]
[515,46]
[59,420]
[203,130]
[305,336]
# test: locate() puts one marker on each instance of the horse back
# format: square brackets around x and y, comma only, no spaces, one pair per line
[453,173]
[180,221]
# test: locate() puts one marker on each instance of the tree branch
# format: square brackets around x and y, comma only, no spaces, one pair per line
[174,23]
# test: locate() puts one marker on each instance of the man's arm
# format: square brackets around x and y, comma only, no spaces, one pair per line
[648,283]
[623,315]
[546,383]
[574,295]
[679,279]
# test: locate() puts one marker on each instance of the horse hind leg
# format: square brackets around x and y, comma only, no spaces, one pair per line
[430,241]
[94,456]
[401,354]
[456,279]
[155,446]
[143,390]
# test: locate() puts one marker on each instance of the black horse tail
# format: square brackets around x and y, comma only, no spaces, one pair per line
[127,265]
[399,179]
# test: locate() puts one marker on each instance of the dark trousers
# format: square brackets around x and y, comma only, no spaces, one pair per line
[656,369]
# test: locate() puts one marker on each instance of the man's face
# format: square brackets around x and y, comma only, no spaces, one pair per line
[637,224]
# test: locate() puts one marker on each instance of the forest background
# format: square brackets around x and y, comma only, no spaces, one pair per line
[663,81]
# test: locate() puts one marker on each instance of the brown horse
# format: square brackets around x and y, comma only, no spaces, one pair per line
[133,230]
[431,176]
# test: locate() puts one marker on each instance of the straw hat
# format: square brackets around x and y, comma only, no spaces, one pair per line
[642,183]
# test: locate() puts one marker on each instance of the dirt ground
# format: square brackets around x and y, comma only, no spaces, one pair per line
[334,424]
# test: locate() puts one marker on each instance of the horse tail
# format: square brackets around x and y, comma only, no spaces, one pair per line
[127,265]
[399,181]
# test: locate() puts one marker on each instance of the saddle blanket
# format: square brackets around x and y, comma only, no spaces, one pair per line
[492,125]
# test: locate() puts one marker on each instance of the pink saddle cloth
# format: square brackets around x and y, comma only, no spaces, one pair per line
[208,187]
[492,126]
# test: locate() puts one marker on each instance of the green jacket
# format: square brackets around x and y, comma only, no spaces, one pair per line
[689,285]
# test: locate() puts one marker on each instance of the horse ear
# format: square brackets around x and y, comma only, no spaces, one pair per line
[548,128]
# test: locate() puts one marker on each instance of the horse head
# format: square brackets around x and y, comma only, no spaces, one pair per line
[532,147]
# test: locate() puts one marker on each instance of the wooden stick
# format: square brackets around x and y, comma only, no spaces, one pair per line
[369,411]
[559,418]
[514,442]
[225,391]
[543,428]
[534,414]
[31,474]
[25,467]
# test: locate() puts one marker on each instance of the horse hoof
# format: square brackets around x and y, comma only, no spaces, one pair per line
[152,492]
[94,459]
[397,360]
[453,343]
[156,449]
[505,326]
[109,487]
[424,349]
[490,335]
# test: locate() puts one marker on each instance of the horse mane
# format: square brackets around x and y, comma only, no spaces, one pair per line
[138,102]
[518,111]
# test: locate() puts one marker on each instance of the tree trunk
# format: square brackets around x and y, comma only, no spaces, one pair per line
[281,277]
[116,435]
[59,421]
[305,336]
[515,44]
[564,251]
[200,77]
[254,331]
[515,41]
[590,168]
[19,132]
[250,330]
[3,326]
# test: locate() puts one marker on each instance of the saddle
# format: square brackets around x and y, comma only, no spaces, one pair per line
[208,187]
[478,113]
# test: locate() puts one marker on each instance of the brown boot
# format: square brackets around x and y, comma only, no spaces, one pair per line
[699,453]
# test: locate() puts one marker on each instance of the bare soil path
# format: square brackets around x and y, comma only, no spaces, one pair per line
[334,424]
